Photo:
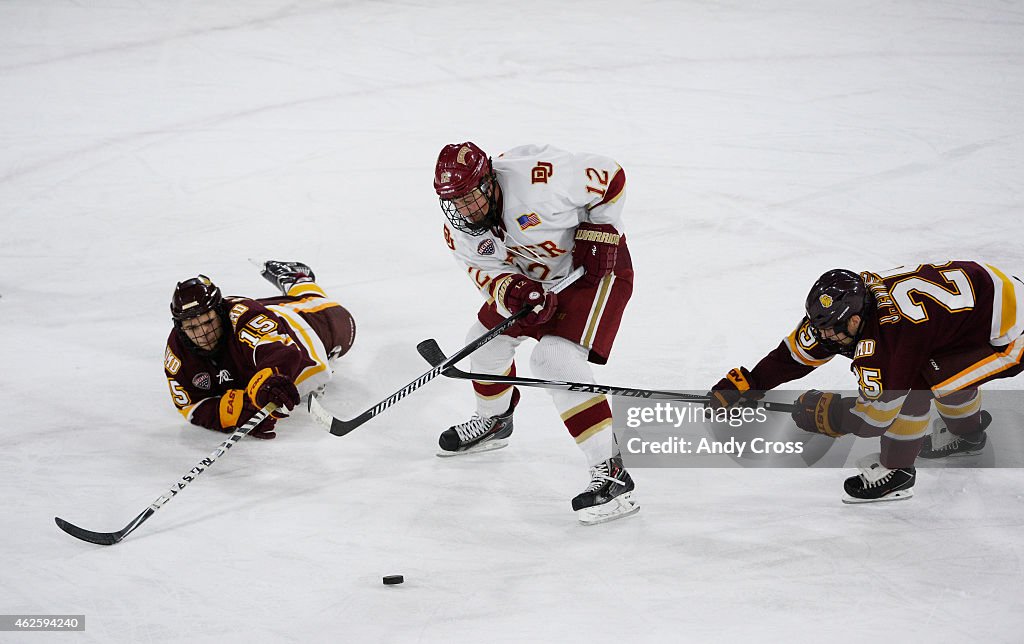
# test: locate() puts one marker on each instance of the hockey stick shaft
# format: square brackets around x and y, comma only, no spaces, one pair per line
[110,538]
[433,354]
[340,427]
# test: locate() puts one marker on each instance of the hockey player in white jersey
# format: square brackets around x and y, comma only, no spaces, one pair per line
[517,224]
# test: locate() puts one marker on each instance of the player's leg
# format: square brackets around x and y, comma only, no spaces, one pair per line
[285,275]
[960,431]
[890,475]
[325,329]
[588,417]
[491,423]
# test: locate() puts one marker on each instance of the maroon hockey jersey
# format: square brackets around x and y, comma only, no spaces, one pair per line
[965,315]
[296,336]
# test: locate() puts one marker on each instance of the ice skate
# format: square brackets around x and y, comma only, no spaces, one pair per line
[285,275]
[942,443]
[609,495]
[478,434]
[878,483]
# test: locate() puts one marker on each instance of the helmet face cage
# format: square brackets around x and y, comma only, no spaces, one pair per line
[204,331]
[476,211]
[193,298]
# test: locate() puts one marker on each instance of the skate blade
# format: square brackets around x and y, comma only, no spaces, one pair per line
[618,508]
[933,457]
[489,446]
[901,495]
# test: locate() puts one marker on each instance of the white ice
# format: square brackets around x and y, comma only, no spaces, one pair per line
[144,141]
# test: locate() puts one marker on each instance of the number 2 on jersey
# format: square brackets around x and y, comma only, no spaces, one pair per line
[907,293]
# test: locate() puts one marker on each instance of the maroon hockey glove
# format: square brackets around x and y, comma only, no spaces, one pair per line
[736,388]
[268,386]
[821,413]
[597,246]
[265,430]
[517,291]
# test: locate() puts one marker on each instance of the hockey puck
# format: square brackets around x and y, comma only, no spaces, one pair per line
[391,580]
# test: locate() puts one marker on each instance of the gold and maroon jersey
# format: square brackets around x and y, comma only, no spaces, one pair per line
[959,308]
[296,335]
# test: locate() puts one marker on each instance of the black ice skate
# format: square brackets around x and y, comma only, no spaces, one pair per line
[285,275]
[878,483]
[942,443]
[609,495]
[479,434]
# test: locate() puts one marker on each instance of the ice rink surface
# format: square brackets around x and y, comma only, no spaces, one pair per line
[142,142]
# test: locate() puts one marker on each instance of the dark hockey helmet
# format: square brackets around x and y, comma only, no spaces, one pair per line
[467,188]
[192,298]
[836,297]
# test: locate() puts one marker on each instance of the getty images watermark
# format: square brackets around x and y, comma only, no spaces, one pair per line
[680,434]
[675,416]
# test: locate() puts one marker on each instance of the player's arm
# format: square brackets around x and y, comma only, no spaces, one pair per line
[219,412]
[833,415]
[597,185]
[797,355]
[881,405]
[498,280]
[481,259]
[277,359]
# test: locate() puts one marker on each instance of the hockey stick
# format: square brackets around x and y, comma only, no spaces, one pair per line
[340,427]
[433,354]
[110,538]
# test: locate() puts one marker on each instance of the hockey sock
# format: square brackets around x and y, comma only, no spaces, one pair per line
[494,357]
[588,417]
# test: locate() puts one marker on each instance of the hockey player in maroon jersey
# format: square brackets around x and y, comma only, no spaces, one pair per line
[915,334]
[515,225]
[229,356]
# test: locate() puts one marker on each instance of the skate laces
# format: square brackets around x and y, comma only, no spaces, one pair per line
[473,428]
[870,484]
[957,443]
[598,475]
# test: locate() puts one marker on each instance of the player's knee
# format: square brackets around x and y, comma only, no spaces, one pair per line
[499,350]
[555,357]
[342,332]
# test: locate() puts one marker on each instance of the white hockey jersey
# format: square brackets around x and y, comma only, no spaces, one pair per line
[546,194]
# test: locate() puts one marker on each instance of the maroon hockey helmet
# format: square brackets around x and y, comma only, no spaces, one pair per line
[460,168]
[837,296]
[467,188]
[193,297]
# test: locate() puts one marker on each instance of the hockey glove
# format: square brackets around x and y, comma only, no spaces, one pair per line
[235,410]
[268,386]
[736,388]
[821,413]
[596,248]
[517,291]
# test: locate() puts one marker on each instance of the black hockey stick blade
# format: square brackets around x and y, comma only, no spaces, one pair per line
[110,538]
[433,354]
[102,538]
